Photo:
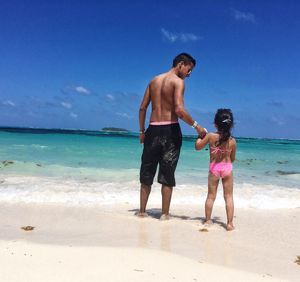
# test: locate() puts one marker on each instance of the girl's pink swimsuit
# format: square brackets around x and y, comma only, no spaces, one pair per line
[220,169]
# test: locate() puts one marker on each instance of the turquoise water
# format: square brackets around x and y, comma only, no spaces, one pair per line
[105,164]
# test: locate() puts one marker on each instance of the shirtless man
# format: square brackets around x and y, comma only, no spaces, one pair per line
[162,140]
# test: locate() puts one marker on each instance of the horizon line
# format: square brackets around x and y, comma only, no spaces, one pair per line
[125,131]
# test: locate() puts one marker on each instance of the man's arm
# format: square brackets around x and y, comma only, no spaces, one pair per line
[142,113]
[181,111]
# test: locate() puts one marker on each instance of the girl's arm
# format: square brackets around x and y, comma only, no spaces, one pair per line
[233,150]
[201,143]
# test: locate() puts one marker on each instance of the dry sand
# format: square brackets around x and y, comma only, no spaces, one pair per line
[110,244]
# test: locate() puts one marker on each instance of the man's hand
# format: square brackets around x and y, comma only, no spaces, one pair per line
[142,137]
[201,131]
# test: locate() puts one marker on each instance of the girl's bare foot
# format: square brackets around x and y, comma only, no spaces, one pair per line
[229,227]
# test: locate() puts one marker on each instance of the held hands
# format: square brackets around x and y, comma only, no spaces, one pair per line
[201,131]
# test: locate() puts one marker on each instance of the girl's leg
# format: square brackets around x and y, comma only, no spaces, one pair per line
[227,182]
[213,182]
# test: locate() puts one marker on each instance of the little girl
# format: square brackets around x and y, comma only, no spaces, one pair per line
[222,154]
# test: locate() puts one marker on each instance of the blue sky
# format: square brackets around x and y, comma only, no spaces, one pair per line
[85,64]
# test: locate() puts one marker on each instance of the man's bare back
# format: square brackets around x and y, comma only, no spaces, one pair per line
[162,89]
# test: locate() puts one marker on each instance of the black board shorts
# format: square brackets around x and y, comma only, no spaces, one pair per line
[162,146]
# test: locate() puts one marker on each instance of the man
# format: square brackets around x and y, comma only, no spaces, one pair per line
[163,139]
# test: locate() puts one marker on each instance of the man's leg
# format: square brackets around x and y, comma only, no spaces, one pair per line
[166,193]
[171,146]
[144,195]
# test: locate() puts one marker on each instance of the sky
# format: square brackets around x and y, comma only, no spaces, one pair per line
[86,64]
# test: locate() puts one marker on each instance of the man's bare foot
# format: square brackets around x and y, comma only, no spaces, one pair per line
[208,222]
[141,214]
[164,217]
[229,227]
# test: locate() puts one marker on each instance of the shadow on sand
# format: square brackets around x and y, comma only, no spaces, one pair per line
[156,213]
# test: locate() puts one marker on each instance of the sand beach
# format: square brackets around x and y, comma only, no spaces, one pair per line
[110,243]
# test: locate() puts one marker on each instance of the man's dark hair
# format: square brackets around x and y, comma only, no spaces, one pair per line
[185,58]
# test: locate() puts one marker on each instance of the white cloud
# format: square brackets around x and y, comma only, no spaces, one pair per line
[66,105]
[278,121]
[124,115]
[168,35]
[182,37]
[76,90]
[82,90]
[119,104]
[73,115]
[9,103]
[243,16]
[110,97]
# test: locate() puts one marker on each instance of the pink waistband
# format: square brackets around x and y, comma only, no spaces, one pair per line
[162,122]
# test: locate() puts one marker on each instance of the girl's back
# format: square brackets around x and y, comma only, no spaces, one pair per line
[224,152]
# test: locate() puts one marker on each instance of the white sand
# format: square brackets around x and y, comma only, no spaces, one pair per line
[110,244]
[35,262]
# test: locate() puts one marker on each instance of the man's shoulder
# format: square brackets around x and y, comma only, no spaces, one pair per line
[162,75]
[156,78]
[159,76]
[166,75]
[175,80]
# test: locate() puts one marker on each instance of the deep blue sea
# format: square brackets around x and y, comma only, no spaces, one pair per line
[100,168]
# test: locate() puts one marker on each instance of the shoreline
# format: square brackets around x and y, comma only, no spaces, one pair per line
[265,243]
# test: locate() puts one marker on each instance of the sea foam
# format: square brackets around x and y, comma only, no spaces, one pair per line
[53,190]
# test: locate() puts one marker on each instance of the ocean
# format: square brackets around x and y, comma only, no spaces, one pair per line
[78,167]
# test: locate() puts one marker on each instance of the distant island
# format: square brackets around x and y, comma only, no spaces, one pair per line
[114,129]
